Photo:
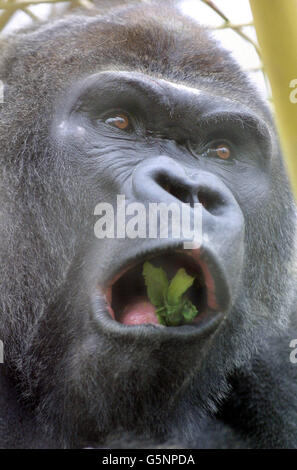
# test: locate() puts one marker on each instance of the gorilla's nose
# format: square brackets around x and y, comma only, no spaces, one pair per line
[161,180]
[166,180]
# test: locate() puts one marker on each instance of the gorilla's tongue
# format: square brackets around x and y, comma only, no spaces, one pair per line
[138,312]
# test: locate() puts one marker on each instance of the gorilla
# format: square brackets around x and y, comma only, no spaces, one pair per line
[141,101]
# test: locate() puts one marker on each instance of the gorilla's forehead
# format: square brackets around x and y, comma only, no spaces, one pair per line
[161,89]
[156,40]
[178,101]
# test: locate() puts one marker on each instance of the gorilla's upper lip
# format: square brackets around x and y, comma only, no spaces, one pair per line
[213,299]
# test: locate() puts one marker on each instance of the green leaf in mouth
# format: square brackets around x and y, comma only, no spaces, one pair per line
[172,307]
[156,282]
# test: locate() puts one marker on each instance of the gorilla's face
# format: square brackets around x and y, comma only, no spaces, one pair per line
[156,142]
[96,358]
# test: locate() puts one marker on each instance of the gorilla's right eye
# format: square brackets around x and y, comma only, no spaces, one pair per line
[118,120]
[223,151]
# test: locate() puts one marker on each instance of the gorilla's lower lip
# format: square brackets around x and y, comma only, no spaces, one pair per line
[125,294]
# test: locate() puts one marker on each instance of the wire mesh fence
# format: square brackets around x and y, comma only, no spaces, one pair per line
[38,10]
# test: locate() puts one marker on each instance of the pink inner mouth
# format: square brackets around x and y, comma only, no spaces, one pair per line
[138,312]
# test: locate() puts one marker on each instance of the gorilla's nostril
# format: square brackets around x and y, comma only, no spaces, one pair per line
[210,200]
[176,189]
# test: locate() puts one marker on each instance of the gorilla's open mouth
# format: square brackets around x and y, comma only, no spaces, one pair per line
[127,296]
[129,304]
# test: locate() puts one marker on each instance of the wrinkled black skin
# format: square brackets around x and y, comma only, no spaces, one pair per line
[71,379]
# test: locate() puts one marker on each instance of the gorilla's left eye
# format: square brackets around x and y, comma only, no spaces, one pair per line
[121,121]
[214,149]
